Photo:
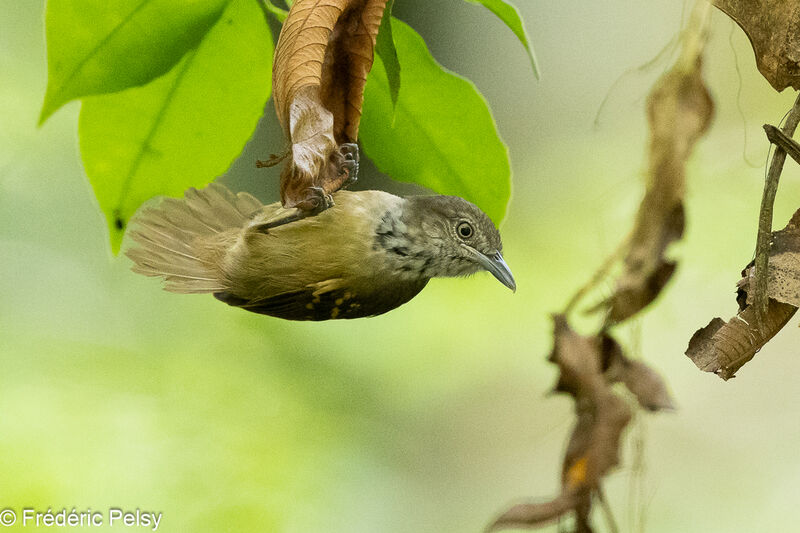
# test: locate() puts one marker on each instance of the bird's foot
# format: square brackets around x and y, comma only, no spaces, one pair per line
[315,203]
[264,227]
[349,167]
[349,150]
[350,164]
[316,199]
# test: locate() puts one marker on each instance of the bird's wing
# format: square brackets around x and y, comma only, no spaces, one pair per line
[318,301]
[330,299]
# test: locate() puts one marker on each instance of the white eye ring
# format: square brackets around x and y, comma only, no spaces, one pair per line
[464,230]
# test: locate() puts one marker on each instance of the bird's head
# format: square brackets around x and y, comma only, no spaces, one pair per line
[450,236]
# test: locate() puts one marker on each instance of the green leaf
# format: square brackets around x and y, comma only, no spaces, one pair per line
[184,128]
[385,49]
[510,16]
[443,136]
[104,46]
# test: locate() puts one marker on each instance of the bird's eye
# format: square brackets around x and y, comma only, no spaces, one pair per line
[464,230]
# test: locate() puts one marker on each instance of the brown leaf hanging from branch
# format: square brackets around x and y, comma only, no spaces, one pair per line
[323,56]
[724,347]
[642,381]
[783,275]
[588,367]
[679,110]
[771,26]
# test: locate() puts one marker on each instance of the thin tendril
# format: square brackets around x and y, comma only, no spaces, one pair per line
[739,98]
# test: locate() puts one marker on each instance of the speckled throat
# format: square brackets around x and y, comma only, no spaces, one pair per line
[413,251]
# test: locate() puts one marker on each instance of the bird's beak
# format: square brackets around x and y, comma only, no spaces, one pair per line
[495,264]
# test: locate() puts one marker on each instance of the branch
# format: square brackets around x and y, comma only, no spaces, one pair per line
[760,299]
[599,274]
[789,145]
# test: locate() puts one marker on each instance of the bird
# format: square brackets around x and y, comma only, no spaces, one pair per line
[366,254]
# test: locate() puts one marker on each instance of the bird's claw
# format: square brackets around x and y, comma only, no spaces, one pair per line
[350,163]
[349,151]
[317,200]
[315,203]
[349,167]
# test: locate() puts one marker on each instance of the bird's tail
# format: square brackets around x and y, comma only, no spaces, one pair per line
[171,236]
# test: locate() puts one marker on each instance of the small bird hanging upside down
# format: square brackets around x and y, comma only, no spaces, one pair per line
[367,254]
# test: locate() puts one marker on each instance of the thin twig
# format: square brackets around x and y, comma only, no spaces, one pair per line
[273,159]
[760,299]
[279,13]
[739,96]
[778,138]
[601,273]
[694,40]
[666,51]
[610,521]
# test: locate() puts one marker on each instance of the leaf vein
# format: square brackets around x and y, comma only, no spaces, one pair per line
[94,51]
[152,131]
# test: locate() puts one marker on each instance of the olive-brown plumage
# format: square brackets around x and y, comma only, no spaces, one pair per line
[367,254]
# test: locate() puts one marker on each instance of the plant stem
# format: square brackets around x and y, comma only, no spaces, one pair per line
[612,524]
[279,13]
[760,297]
[599,274]
[789,145]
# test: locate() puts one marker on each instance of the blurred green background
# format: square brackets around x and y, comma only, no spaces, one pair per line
[433,417]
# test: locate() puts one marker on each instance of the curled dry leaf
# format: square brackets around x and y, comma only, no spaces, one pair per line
[783,278]
[528,515]
[323,56]
[679,110]
[724,347]
[646,385]
[642,381]
[588,367]
[771,26]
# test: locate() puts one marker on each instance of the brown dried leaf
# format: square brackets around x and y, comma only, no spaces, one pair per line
[771,26]
[783,279]
[643,382]
[602,415]
[724,347]
[577,357]
[527,515]
[323,56]
[647,386]
[679,111]
[594,445]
